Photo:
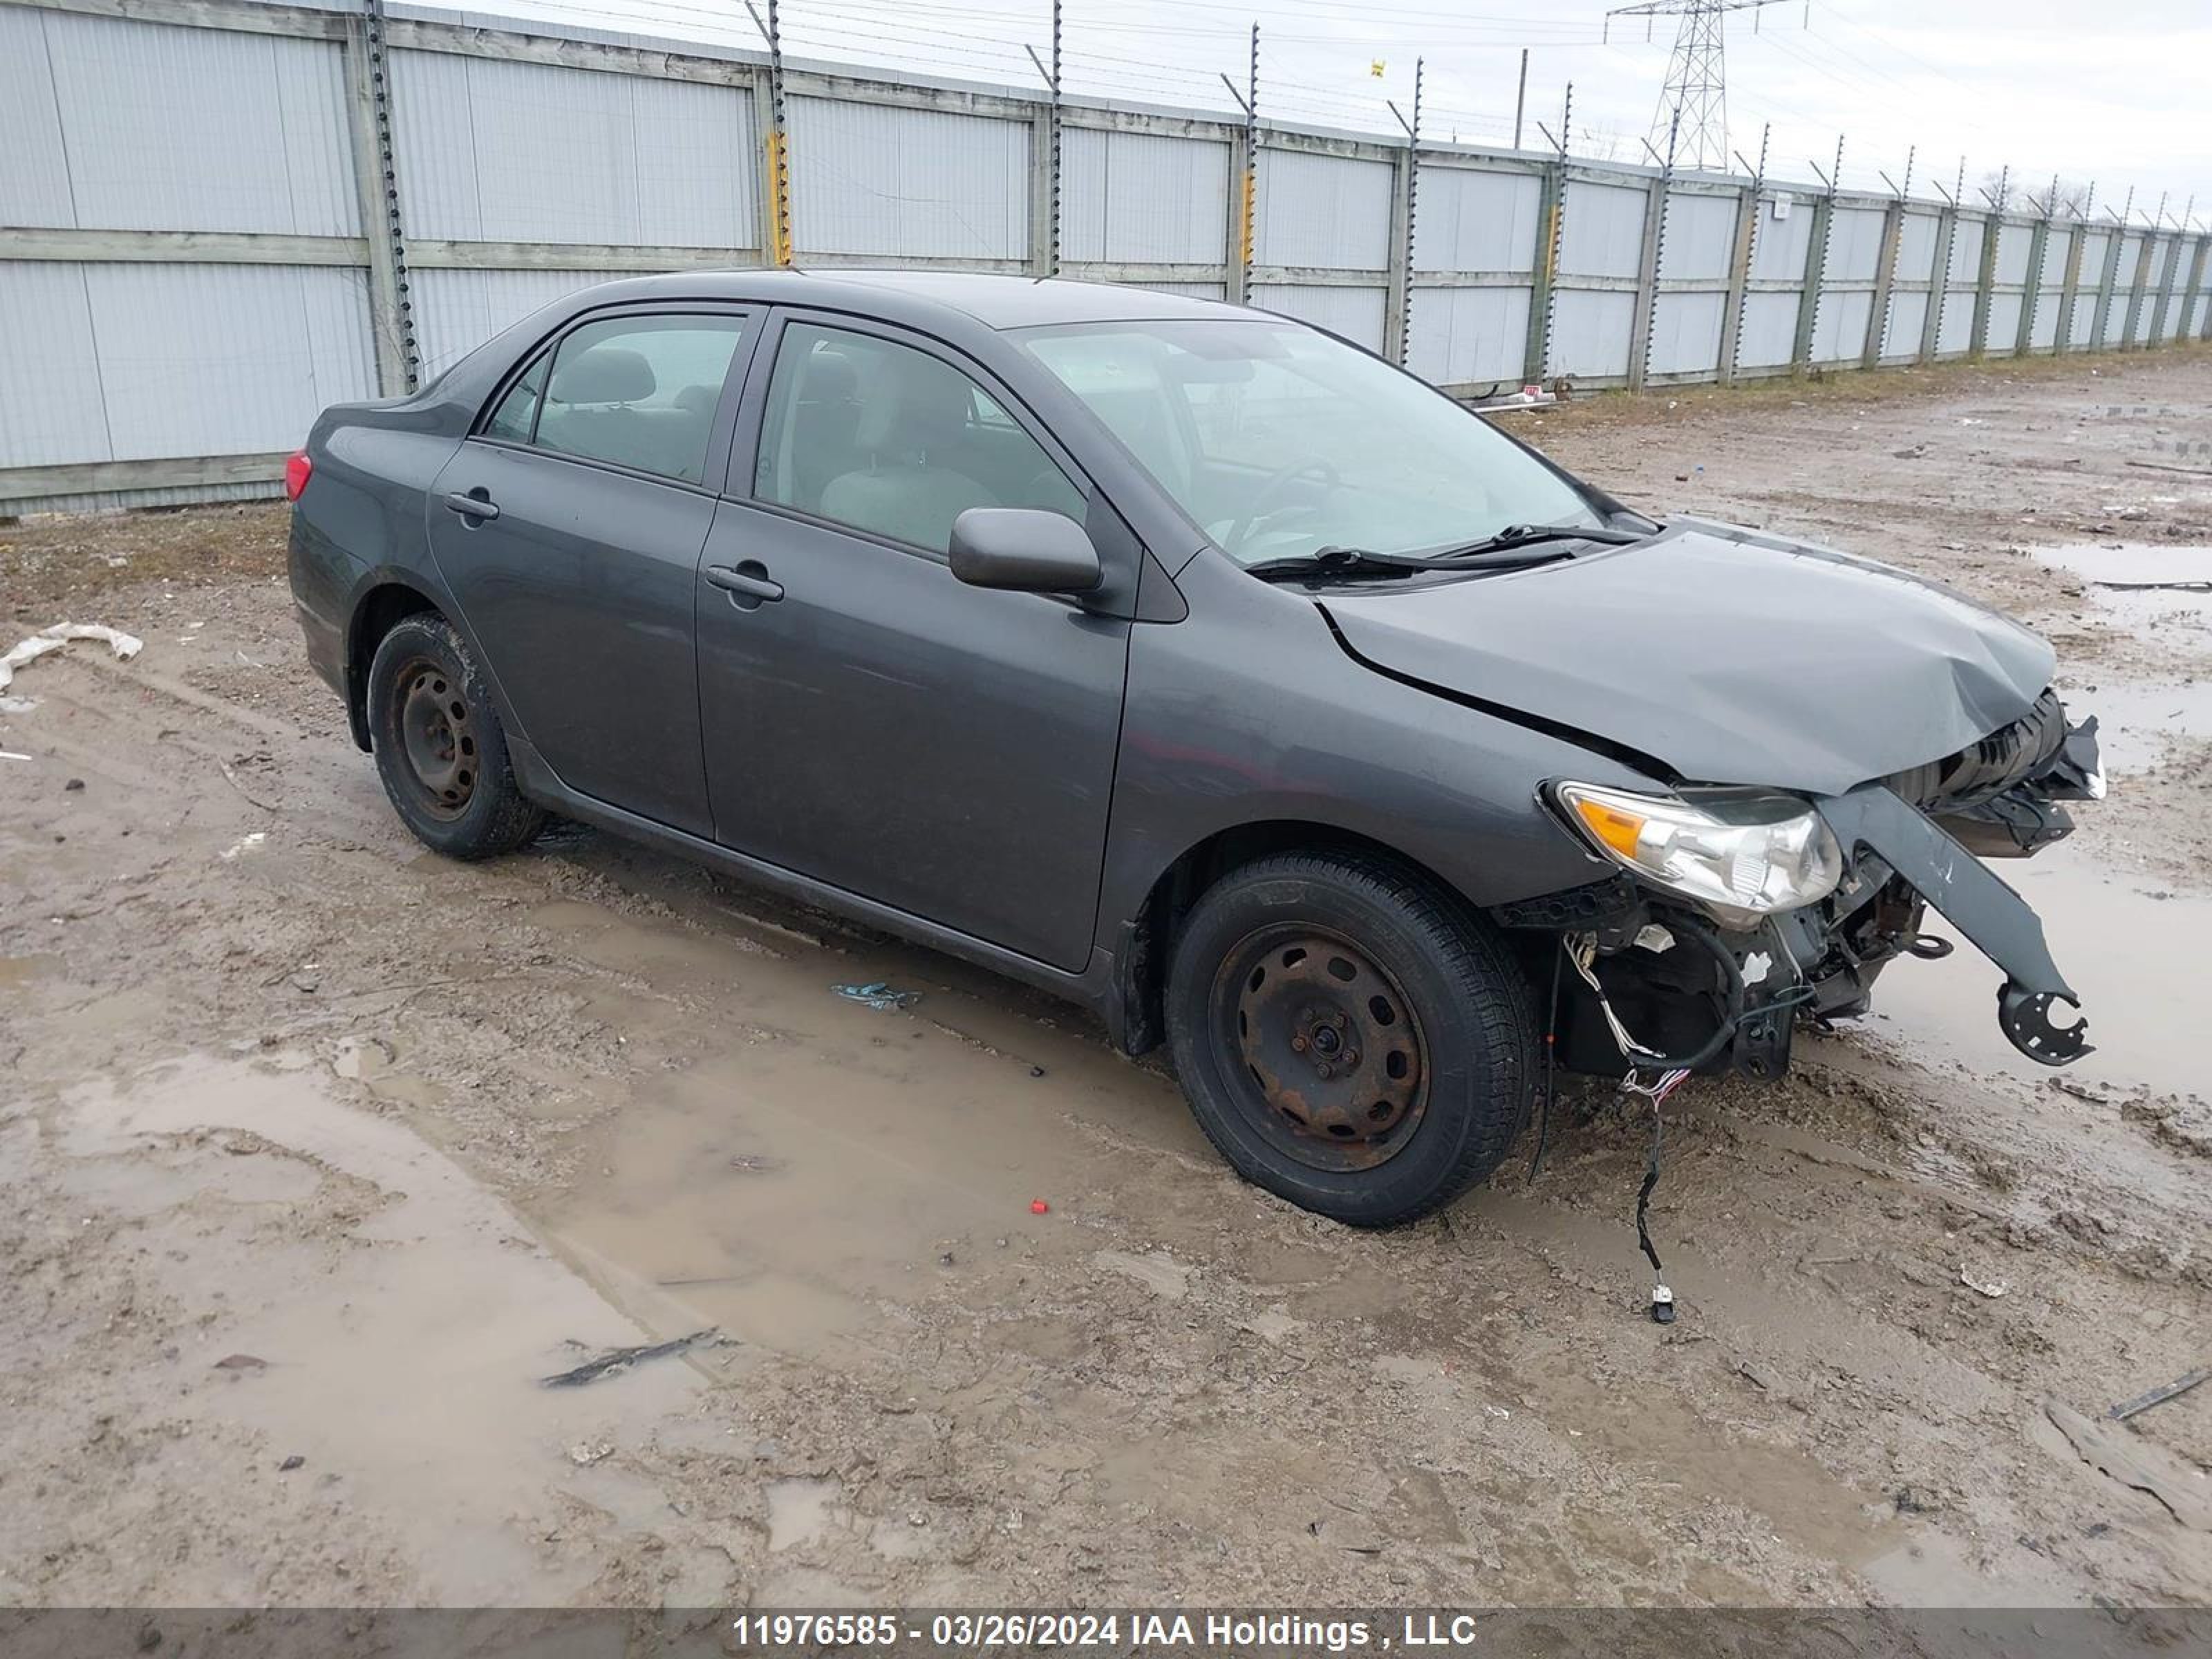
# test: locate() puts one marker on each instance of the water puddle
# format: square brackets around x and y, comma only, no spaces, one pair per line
[800,1512]
[787,1165]
[2148,587]
[2135,718]
[391,1333]
[375,1062]
[2133,951]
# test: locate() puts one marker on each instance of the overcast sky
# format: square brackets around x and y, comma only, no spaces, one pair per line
[2120,92]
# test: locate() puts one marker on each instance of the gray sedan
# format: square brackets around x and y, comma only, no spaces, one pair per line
[1194,665]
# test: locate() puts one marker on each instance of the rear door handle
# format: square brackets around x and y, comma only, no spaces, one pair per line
[471,506]
[749,580]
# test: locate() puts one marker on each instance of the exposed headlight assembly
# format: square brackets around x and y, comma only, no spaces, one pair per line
[1741,854]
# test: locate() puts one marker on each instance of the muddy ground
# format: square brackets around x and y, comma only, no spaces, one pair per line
[319,1151]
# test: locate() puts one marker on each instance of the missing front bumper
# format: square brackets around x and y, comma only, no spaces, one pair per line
[1821,962]
[2022,820]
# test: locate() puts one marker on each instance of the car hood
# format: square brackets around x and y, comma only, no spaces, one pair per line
[1733,657]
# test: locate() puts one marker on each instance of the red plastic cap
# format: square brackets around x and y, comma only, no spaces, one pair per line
[1038,1206]
[297,471]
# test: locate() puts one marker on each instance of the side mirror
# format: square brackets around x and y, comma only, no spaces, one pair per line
[1023,549]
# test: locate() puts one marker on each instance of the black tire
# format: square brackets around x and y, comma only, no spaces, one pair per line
[1429,1039]
[439,745]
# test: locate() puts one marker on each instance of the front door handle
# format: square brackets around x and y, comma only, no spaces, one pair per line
[747,584]
[472,506]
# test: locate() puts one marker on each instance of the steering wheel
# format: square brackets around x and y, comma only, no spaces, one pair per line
[1275,483]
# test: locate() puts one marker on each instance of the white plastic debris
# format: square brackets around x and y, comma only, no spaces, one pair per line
[125,645]
[246,844]
[1992,1288]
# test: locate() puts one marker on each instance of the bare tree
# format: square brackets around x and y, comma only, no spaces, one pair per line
[1597,141]
[2063,198]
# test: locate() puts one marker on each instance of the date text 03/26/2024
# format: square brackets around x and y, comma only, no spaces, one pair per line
[1197,1633]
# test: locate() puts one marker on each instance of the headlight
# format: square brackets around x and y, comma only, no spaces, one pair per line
[1741,854]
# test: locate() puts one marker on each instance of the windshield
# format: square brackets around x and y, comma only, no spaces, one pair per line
[1278,442]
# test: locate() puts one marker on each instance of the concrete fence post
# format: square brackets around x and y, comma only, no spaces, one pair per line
[376,186]
[2203,268]
[2143,296]
[1985,285]
[768,160]
[2070,289]
[2039,243]
[2108,281]
[1551,223]
[769,120]
[1749,201]
[2136,288]
[1398,272]
[1398,303]
[1650,252]
[1236,246]
[1816,275]
[2170,291]
[1885,278]
[2196,287]
[1044,190]
[2164,306]
[1939,285]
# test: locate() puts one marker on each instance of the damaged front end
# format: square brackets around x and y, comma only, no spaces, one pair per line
[1735,911]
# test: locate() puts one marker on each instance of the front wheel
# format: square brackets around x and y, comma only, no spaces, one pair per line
[1348,1037]
[439,745]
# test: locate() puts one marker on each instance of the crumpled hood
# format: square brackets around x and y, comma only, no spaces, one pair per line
[1734,657]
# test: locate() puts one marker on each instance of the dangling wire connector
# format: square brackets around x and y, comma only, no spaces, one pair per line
[1547,1095]
[1662,1298]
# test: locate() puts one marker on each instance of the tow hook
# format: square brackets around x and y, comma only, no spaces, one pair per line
[2025,1017]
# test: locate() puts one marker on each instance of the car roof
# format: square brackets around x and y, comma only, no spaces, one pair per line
[997,301]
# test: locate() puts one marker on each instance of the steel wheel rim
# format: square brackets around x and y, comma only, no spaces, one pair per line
[437,738]
[1324,1051]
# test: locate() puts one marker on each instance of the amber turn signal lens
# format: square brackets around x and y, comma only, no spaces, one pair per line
[1612,826]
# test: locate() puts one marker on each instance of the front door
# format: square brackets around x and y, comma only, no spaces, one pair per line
[870,721]
[569,527]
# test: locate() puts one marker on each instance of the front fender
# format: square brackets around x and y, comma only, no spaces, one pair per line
[1252,713]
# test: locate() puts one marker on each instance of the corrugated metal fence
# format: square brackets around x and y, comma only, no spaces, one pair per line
[217,216]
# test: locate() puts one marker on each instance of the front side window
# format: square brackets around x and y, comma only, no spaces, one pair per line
[1277,441]
[865,431]
[639,391]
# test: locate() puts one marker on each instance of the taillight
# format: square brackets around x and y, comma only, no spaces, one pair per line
[296,471]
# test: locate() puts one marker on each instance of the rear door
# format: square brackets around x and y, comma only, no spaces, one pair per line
[569,527]
[870,721]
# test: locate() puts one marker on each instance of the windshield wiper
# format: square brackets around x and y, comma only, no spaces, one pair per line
[1328,562]
[1499,552]
[1533,535]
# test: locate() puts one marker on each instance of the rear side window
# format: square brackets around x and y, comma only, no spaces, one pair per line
[516,417]
[638,391]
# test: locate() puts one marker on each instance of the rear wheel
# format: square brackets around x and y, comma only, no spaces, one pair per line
[439,745]
[1349,1037]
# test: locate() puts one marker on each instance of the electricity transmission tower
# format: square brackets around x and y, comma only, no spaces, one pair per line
[1694,104]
